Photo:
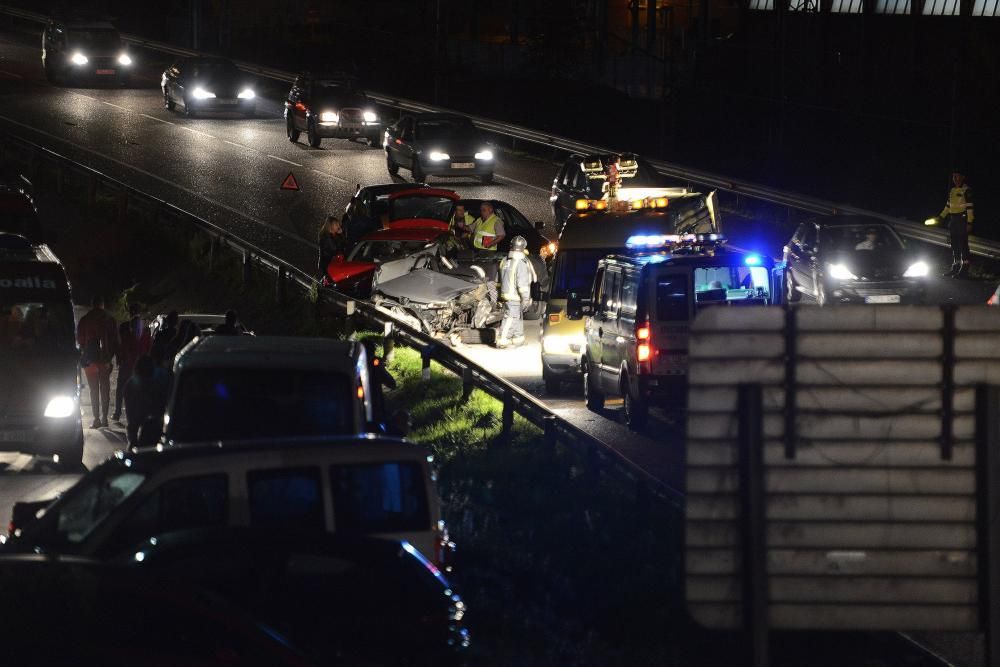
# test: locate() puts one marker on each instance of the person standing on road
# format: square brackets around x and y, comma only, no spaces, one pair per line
[487,231]
[516,276]
[231,327]
[958,214]
[461,222]
[134,341]
[332,242]
[97,335]
[145,402]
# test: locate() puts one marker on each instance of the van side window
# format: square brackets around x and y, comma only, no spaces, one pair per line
[808,238]
[379,497]
[289,498]
[598,289]
[611,293]
[630,290]
[672,297]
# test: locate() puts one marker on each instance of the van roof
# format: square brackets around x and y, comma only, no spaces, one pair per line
[270,352]
[611,229]
[722,256]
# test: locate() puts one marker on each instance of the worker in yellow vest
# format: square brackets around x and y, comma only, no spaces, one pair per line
[958,215]
[487,231]
[461,221]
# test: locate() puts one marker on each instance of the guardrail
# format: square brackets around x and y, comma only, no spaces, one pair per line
[514,399]
[733,188]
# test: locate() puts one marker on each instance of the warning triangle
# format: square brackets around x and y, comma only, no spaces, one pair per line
[290,183]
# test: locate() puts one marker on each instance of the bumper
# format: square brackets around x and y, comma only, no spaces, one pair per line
[562,365]
[337,131]
[663,389]
[42,436]
[223,104]
[902,291]
[110,74]
[457,167]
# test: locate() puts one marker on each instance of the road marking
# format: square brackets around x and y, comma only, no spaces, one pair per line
[158,120]
[233,143]
[284,232]
[328,175]
[281,159]
[115,106]
[527,185]
[191,129]
[16,76]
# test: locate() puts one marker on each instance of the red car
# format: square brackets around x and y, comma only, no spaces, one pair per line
[417,228]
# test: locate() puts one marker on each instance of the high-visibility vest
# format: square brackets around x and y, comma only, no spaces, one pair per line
[467,221]
[481,230]
[959,202]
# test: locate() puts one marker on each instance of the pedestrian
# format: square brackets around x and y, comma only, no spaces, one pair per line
[167,332]
[461,221]
[186,332]
[145,402]
[231,327]
[97,335]
[516,276]
[332,242]
[487,231]
[134,341]
[958,214]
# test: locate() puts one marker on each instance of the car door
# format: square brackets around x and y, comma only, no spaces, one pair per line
[625,340]
[407,142]
[797,258]
[574,188]
[593,324]
[607,328]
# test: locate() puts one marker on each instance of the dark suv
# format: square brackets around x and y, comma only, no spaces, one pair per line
[75,51]
[639,312]
[330,106]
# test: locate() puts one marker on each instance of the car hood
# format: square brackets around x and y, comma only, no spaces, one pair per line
[874,264]
[426,286]
[418,223]
[333,101]
[461,145]
[221,85]
[341,271]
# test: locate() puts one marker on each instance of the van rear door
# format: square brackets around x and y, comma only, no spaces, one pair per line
[670,310]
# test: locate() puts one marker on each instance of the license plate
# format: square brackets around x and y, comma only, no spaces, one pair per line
[883,298]
[106,71]
[229,102]
[463,165]
[17,436]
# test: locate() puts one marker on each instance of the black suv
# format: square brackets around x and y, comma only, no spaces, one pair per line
[330,106]
[79,50]
[638,315]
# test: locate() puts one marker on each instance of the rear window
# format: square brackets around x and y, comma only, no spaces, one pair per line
[379,497]
[288,498]
[575,271]
[421,206]
[731,285]
[672,296]
[247,403]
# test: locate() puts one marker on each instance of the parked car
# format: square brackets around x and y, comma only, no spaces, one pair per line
[852,259]
[80,50]
[204,83]
[330,106]
[348,486]
[438,144]
[207,323]
[64,611]
[369,207]
[342,600]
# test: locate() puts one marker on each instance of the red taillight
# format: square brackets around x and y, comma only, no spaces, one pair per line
[361,392]
[642,333]
[643,352]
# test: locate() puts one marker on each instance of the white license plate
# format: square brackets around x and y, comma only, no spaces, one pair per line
[17,436]
[883,298]
[463,165]
[106,71]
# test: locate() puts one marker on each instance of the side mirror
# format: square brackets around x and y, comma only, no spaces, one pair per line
[539,226]
[578,306]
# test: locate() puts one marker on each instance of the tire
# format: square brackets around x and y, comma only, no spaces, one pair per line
[636,411]
[486,178]
[314,140]
[416,172]
[292,131]
[593,395]
[792,295]
[373,142]
[168,103]
[72,459]
[391,165]
[553,385]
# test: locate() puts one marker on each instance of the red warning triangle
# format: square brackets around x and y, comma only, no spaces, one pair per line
[290,183]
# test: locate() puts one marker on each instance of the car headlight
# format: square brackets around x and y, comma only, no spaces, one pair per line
[79,59]
[563,344]
[841,272]
[247,94]
[438,156]
[60,407]
[917,270]
[329,117]
[124,59]
[202,94]
[484,155]
[370,117]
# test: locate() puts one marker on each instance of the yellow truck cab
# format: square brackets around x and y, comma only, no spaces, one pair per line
[587,238]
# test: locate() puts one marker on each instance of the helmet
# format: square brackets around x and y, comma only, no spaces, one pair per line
[518,243]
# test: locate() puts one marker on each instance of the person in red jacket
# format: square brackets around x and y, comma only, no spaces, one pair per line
[97,335]
[134,342]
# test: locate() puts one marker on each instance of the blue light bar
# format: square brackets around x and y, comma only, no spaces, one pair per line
[752,260]
[651,240]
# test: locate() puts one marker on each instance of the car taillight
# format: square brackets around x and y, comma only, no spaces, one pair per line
[644,349]
[554,318]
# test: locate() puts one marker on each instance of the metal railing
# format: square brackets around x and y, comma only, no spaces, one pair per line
[733,188]
[599,455]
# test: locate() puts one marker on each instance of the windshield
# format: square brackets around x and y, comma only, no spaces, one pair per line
[102,40]
[379,497]
[247,403]
[575,270]
[445,128]
[731,286]
[92,500]
[29,325]
[645,177]
[427,207]
[859,238]
[210,70]
[385,251]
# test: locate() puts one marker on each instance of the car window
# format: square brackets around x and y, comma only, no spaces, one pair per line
[95,39]
[512,218]
[597,288]
[630,288]
[286,498]
[439,129]
[406,129]
[610,293]
[672,297]
[91,503]
[860,237]
[574,271]
[411,207]
[379,497]
[731,285]
[567,173]
[580,181]
[808,238]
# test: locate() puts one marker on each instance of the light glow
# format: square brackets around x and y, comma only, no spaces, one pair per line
[438,156]
[370,116]
[930,222]
[329,117]
[563,343]
[124,59]
[917,270]
[642,352]
[247,94]
[548,250]
[841,272]
[202,94]
[484,155]
[60,407]
[752,260]
[79,59]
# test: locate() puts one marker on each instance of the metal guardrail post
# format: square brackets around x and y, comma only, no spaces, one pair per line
[247,268]
[508,414]
[425,362]
[350,309]
[948,381]
[213,248]
[988,515]
[551,431]
[467,383]
[388,342]
[753,536]
[280,291]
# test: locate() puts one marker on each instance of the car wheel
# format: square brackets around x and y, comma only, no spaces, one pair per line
[373,142]
[486,178]
[391,165]
[292,131]
[188,109]
[314,139]
[72,459]
[792,295]
[552,382]
[636,411]
[595,399]
[417,172]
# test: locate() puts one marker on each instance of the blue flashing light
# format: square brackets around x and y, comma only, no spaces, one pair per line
[654,259]
[752,260]
[651,240]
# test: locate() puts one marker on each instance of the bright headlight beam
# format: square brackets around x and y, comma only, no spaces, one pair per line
[917,270]
[841,272]
[329,117]
[484,155]
[370,117]
[202,94]
[438,156]
[79,59]
[60,407]
[247,94]
[124,59]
